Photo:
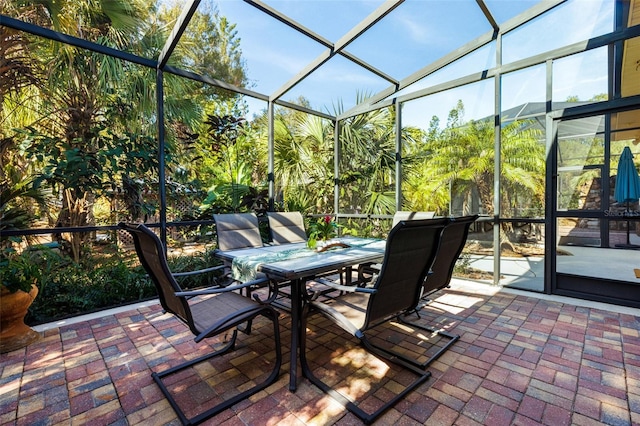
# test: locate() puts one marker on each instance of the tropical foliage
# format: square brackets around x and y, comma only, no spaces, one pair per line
[79,146]
[235,165]
[303,160]
[458,162]
[86,120]
[367,162]
[323,228]
[18,271]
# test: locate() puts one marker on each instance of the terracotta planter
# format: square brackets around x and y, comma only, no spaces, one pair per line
[14,333]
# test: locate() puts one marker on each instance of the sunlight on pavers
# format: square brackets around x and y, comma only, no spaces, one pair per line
[355,357]
[454,304]
[576,371]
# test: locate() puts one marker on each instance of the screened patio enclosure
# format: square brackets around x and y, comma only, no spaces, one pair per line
[517,110]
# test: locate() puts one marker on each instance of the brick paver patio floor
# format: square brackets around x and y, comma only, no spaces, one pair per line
[521,360]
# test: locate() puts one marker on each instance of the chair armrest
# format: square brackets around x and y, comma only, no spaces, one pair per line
[338,318]
[217,290]
[199,271]
[345,288]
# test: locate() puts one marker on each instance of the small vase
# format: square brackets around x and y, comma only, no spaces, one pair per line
[14,333]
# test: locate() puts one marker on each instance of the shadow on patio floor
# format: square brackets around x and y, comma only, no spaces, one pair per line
[520,360]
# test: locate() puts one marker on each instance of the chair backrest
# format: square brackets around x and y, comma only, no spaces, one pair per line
[237,231]
[152,257]
[452,242]
[407,215]
[286,227]
[410,251]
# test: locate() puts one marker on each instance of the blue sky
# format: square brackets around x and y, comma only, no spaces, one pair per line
[415,34]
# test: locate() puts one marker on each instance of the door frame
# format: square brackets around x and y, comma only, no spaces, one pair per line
[583,287]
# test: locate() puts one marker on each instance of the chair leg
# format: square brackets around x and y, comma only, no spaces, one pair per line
[157,377]
[367,418]
[389,353]
[453,338]
[247,328]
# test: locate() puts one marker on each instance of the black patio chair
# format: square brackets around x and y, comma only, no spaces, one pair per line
[453,239]
[367,270]
[452,242]
[410,250]
[286,227]
[207,312]
[410,215]
[237,231]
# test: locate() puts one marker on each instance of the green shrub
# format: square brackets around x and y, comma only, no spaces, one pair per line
[109,278]
[193,263]
[97,282]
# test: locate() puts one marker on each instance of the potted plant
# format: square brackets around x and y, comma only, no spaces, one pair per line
[321,231]
[19,278]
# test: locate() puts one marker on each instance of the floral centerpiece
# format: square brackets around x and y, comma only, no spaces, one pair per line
[323,230]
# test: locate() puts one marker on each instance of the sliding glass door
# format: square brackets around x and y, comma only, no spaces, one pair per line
[596,236]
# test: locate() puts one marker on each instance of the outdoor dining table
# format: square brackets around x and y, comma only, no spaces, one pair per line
[298,264]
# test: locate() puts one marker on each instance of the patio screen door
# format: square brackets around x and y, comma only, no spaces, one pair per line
[590,258]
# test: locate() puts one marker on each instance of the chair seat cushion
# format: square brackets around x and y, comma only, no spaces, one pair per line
[207,310]
[348,311]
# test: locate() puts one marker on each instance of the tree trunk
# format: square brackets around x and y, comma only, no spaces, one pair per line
[74,213]
[485,191]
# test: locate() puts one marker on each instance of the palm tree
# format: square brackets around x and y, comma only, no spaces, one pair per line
[368,161]
[234,169]
[79,96]
[303,159]
[522,171]
[91,104]
[462,156]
